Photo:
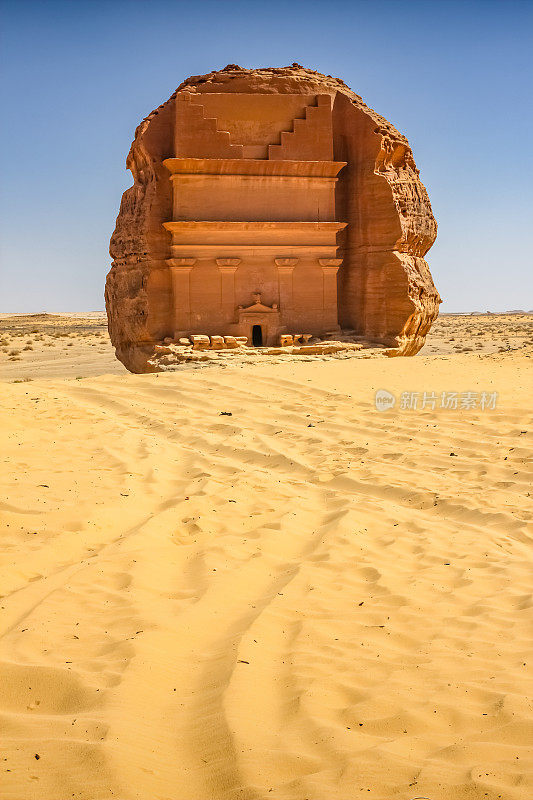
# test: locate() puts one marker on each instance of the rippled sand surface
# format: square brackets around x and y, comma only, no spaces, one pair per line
[228,583]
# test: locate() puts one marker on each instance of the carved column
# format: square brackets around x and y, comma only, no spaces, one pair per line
[330,267]
[228,268]
[285,269]
[180,270]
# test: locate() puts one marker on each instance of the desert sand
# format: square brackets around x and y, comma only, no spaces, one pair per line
[231,582]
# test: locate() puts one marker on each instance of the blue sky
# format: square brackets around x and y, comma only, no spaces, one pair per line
[77,77]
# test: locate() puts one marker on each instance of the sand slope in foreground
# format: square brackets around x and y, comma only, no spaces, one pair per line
[306,599]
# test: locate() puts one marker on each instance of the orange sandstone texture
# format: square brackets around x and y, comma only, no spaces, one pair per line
[268,202]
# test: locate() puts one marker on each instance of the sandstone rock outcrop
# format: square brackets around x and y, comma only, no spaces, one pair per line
[276,183]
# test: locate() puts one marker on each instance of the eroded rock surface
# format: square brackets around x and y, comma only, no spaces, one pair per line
[381,210]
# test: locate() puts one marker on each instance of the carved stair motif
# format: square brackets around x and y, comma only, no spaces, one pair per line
[310,138]
[198,135]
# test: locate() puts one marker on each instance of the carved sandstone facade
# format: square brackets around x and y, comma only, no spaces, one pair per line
[267,202]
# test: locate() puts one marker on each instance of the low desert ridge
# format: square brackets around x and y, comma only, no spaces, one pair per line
[36,346]
[230,582]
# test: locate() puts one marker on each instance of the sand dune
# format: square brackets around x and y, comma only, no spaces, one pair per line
[305,599]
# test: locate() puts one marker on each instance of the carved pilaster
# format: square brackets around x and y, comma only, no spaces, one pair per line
[227,268]
[334,263]
[285,269]
[330,267]
[180,270]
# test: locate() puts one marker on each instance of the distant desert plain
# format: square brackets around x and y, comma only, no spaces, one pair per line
[239,582]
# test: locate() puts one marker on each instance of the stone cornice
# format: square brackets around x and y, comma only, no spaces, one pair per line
[252,166]
[181,263]
[228,264]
